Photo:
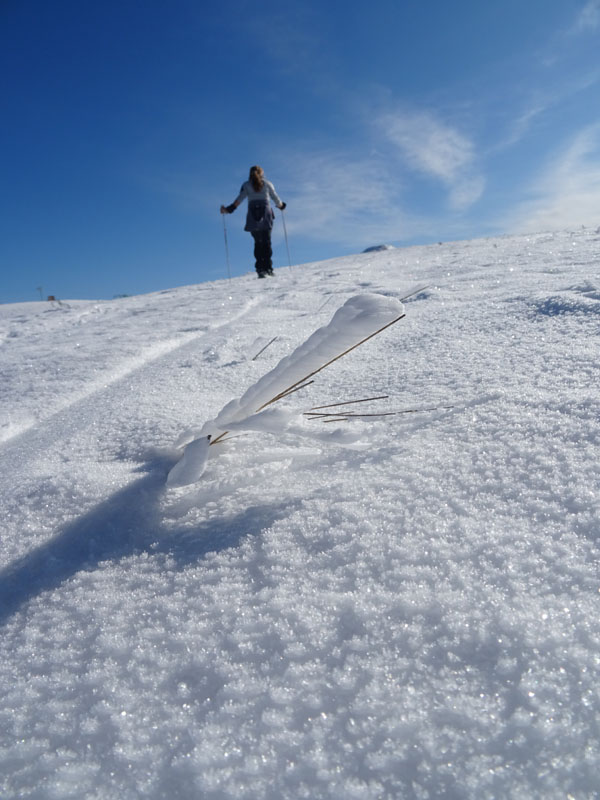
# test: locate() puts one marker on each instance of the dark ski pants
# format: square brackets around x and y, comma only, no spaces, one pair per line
[263,252]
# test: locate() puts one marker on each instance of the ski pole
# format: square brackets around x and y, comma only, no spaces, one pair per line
[226,247]
[287,247]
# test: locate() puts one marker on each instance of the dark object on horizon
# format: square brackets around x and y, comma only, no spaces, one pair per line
[377,247]
[53,299]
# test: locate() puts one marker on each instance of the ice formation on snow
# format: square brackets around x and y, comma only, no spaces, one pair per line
[359,318]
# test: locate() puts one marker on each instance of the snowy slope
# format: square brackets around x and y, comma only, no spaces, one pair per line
[315,618]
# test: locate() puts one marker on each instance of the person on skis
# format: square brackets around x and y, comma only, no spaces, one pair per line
[260,216]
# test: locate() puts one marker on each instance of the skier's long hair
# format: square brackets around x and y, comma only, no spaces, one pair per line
[257,178]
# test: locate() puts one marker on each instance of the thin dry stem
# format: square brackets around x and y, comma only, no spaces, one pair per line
[290,391]
[412,294]
[350,402]
[347,416]
[331,361]
[219,438]
[264,348]
[339,417]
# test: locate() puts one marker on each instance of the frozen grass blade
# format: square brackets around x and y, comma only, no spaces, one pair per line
[303,380]
[356,322]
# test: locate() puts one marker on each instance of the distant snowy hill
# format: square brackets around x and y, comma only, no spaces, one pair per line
[390,607]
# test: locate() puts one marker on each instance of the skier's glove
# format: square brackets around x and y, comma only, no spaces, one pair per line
[283,206]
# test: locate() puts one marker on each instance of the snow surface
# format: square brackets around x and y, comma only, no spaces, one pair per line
[414,618]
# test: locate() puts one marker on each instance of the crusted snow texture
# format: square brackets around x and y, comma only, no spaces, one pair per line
[418,619]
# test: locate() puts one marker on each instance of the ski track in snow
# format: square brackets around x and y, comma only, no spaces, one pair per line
[48,362]
[416,618]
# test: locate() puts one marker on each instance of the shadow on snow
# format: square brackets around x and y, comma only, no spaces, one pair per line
[126,523]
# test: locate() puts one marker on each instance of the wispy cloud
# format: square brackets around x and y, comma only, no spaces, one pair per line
[363,192]
[466,192]
[339,197]
[588,19]
[567,192]
[427,145]
[521,125]
[541,102]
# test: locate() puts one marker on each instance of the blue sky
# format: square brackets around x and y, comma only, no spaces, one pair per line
[127,123]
